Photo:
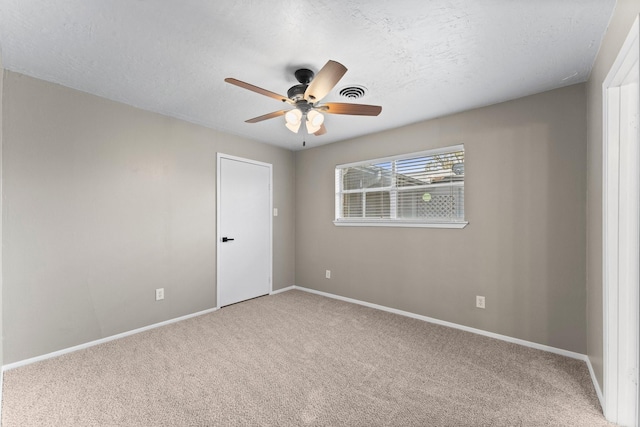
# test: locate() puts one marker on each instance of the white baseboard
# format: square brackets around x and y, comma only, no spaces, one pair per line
[506,338]
[278,291]
[102,340]
[594,380]
[525,343]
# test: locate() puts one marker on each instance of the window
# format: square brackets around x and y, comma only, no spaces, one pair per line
[423,189]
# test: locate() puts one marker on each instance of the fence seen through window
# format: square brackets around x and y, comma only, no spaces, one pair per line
[425,187]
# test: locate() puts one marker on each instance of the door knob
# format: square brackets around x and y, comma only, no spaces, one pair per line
[227,239]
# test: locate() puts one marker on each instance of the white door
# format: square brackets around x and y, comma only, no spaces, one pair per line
[244,229]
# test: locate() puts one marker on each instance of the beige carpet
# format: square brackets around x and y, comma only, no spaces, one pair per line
[297,359]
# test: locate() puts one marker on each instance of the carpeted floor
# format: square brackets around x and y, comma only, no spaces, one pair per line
[298,359]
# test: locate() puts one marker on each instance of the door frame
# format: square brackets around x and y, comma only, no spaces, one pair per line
[219,158]
[620,189]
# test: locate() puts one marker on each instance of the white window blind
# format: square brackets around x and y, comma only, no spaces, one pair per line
[417,189]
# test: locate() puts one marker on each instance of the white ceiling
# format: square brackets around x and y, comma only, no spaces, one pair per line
[418,59]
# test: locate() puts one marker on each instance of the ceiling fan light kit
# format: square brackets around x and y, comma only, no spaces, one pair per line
[314,120]
[293,117]
[293,127]
[305,97]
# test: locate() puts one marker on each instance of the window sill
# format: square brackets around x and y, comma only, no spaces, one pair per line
[383,223]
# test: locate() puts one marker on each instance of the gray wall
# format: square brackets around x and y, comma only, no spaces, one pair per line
[524,246]
[625,13]
[104,203]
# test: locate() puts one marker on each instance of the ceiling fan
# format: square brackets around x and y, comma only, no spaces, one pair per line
[305,98]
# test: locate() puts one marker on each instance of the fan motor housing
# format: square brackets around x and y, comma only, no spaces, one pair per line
[297,92]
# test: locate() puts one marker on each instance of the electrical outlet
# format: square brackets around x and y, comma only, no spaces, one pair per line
[327,275]
[479,301]
[275,211]
[159,294]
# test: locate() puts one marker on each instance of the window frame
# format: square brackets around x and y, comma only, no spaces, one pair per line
[392,221]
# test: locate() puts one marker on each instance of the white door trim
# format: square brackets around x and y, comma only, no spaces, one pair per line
[221,156]
[620,199]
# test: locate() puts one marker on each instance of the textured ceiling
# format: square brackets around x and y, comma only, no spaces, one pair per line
[418,59]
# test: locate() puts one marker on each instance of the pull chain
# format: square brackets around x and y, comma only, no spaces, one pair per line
[304,130]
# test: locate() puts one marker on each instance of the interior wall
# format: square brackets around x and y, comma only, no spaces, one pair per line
[523,249]
[104,203]
[623,17]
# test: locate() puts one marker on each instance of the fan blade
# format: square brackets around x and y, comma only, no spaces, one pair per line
[257,89]
[267,116]
[324,81]
[351,109]
[320,131]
